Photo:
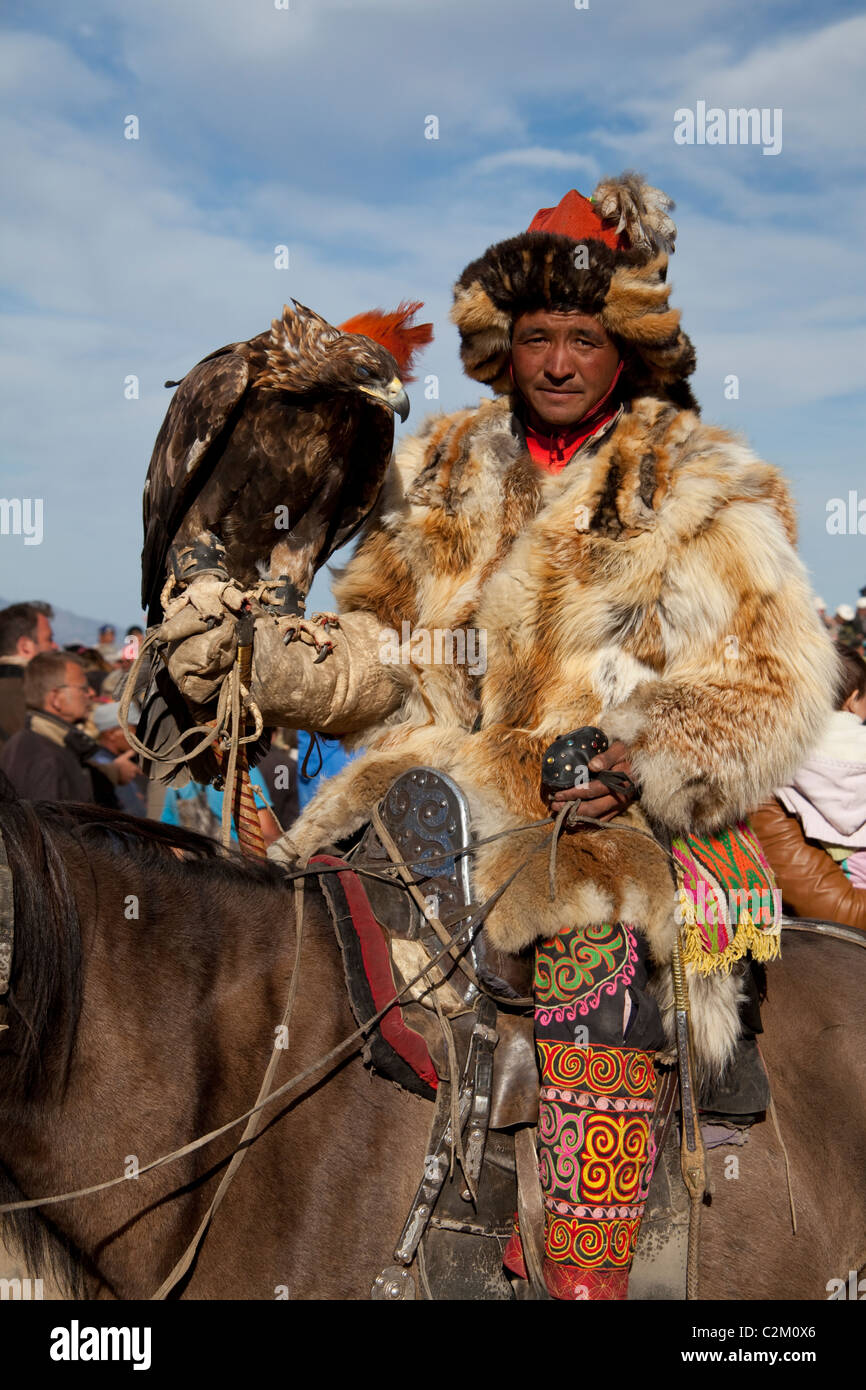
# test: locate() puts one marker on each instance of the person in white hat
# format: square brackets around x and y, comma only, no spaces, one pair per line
[848,633]
[111,737]
[821,609]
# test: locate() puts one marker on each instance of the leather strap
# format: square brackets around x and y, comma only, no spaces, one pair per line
[619,784]
[485,1038]
[530,1209]
[453,1103]
[663,1112]
[435,1173]
[693,1158]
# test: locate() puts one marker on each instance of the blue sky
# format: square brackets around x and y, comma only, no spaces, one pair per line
[305,127]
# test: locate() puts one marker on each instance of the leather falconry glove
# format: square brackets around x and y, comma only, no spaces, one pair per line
[351,689]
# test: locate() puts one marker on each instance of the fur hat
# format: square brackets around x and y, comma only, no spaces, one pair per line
[606,256]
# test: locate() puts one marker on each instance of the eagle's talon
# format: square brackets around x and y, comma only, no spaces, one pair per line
[326,620]
[303,629]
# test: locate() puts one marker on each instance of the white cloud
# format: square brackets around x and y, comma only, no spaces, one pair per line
[537,157]
[815,77]
[38,72]
[784,368]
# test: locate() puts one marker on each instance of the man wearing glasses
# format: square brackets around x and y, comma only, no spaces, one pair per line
[50,759]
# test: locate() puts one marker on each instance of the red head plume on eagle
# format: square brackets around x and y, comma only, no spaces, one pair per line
[296,424]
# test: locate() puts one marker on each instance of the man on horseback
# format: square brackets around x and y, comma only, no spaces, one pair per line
[632,571]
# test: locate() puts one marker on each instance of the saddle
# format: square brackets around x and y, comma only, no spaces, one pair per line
[465,1040]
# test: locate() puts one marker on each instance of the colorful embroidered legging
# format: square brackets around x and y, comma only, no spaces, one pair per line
[596,1031]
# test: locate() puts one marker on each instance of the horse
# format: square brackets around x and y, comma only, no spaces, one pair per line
[150,973]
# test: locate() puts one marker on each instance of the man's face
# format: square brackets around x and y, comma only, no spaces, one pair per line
[71,701]
[114,740]
[563,363]
[42,640]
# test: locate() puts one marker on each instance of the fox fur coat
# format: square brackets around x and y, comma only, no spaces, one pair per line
[651,588]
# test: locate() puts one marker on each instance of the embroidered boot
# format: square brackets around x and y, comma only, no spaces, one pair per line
[596,1034]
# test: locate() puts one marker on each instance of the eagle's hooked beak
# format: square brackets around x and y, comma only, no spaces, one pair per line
[394,396]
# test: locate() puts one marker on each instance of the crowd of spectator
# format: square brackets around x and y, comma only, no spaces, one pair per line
[62,738]
[847,626]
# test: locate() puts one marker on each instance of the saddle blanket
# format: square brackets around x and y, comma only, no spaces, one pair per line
[728,900]
[393,1049]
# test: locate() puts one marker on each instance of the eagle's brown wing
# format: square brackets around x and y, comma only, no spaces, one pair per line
[203,408]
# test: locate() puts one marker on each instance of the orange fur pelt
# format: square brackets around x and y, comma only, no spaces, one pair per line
[395,332]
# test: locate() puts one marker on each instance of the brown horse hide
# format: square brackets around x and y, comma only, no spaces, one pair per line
[814,1021]
[185,963]
[150,973]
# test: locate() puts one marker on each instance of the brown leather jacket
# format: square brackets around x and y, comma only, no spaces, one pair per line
[812,884]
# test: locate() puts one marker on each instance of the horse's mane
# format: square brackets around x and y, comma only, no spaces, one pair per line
[44,1000]
[46,957]
[145,839]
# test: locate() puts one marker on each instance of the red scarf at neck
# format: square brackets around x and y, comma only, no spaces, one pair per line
[553,451]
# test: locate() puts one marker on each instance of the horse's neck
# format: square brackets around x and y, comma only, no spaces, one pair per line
[181,997]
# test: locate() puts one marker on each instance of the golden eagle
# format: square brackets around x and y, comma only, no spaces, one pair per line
[271,456]
[273,451]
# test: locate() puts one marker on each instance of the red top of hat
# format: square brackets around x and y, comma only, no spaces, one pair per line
[575,217]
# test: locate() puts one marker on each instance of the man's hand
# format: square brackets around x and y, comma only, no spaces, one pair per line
[126,766]
[594,798]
